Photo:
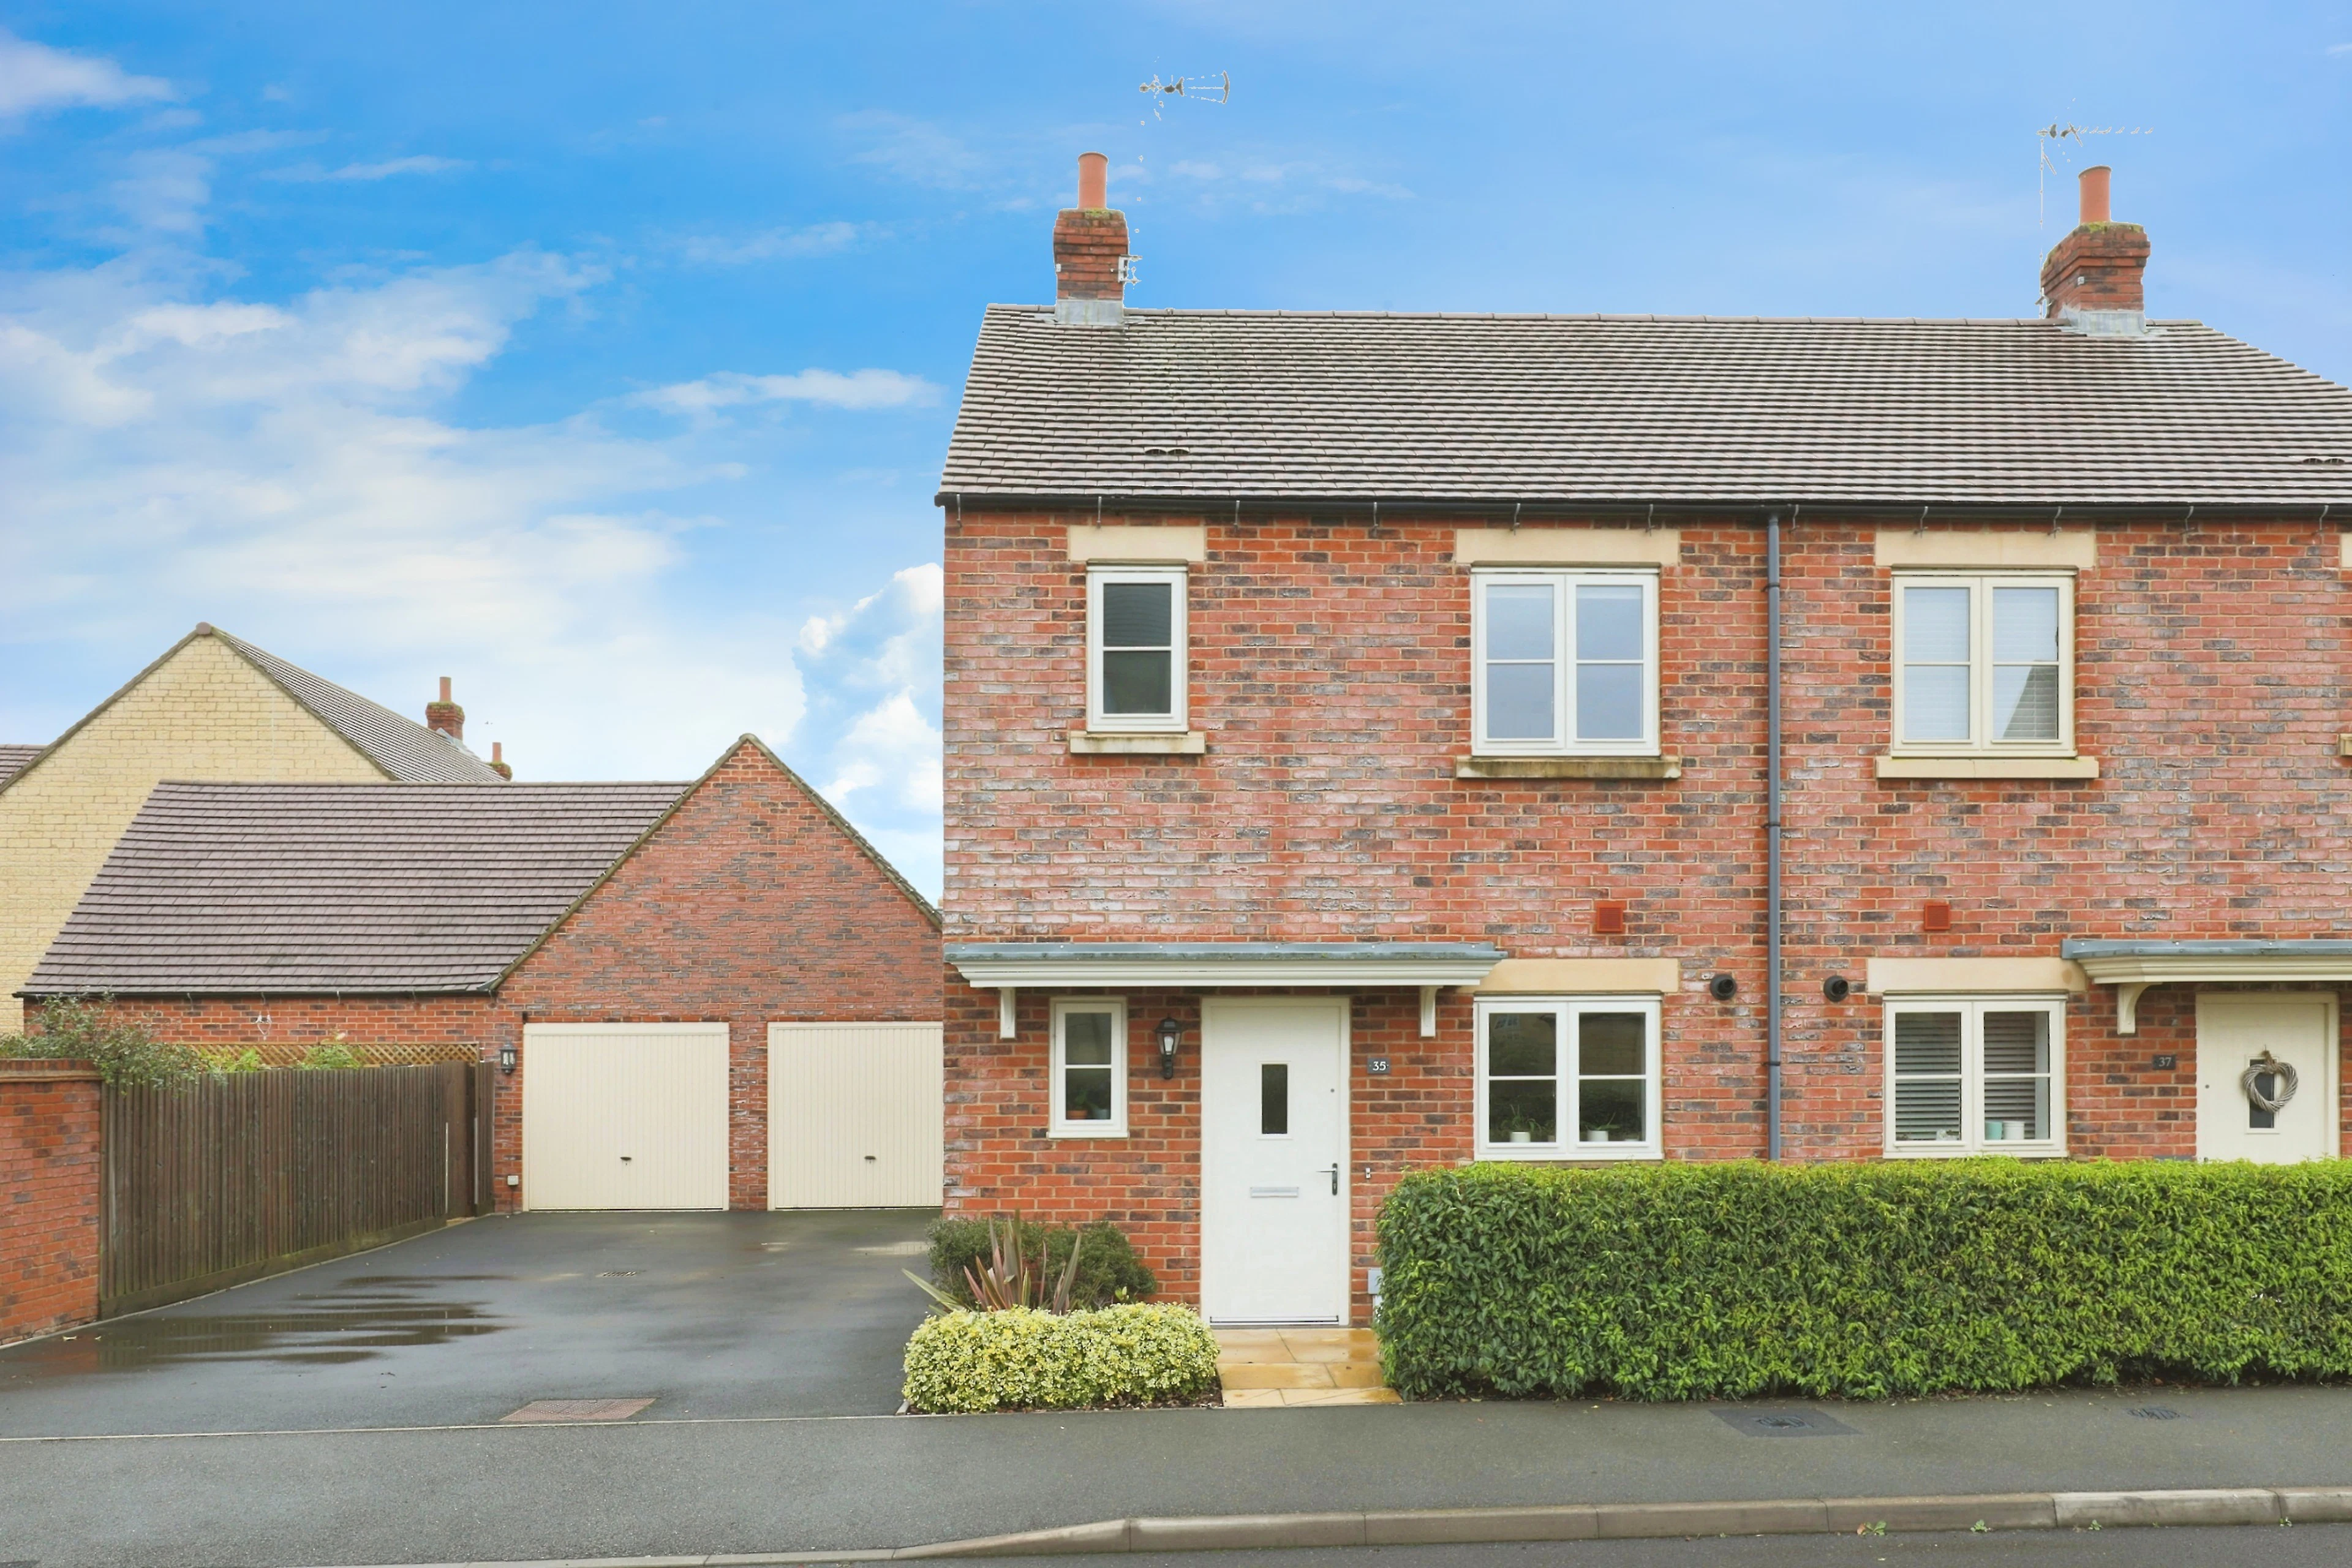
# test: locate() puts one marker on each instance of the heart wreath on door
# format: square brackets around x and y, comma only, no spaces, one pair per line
[2283,1078]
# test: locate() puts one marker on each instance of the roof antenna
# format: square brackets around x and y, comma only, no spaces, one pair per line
[2052,133]
[1217,88]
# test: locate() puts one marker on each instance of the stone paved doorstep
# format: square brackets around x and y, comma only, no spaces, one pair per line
[1267,1369]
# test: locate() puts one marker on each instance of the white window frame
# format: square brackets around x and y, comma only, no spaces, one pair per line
[1564,582]
[1980,740]
[1972,1140]
[1179,716]
[1057,1125]
[1566,1010]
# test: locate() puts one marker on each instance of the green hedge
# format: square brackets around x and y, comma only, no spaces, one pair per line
[1108,1270]
[1024,1360]
[1863,1280]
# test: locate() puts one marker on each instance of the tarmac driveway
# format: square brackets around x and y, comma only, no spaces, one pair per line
[708,1314]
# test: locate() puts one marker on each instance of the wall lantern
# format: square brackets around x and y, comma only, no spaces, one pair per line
[1172,1034]
[506,1058]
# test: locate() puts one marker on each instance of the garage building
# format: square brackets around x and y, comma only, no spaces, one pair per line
[717,994]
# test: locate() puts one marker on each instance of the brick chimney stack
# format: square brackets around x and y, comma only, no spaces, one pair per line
[499,761]
[1090,246]
[445,716]
[2091,281]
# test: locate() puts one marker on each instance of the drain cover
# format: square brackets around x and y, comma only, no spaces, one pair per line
[1784,1423]
[2155,1413]
[579,1410]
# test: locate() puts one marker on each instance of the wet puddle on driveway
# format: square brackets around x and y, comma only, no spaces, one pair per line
[355,1320]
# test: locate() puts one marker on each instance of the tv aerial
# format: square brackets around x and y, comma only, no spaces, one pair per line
[1217,88]
[2050,135]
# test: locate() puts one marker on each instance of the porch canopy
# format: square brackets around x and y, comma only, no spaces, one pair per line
[1008,967]
[2131,966]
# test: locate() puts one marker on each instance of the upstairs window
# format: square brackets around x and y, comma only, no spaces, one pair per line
[1984,663]
[1135,649]
[1564,663]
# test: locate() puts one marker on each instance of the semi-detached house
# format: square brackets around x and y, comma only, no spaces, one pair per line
[1378,740]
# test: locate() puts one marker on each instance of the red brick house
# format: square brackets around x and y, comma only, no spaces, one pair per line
[713,994]
[1376,741]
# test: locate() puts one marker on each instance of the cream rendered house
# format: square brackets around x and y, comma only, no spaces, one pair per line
[211,708]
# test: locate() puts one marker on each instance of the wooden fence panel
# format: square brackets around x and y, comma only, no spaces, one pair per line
[233,1177]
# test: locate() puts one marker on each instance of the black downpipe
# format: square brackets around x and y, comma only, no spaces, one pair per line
[1772,835]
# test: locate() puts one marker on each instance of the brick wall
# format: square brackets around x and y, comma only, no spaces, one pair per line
[1330,671]
[50,1173]
[203,713]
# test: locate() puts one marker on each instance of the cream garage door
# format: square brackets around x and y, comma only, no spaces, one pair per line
[624,1116]
[854,1116]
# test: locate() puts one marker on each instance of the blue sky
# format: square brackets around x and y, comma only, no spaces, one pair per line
[602,356]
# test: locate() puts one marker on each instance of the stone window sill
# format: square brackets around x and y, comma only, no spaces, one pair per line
[1666,767]
[1099,744]
[1981,767]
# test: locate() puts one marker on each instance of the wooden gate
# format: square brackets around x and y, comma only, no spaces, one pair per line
[230,1177]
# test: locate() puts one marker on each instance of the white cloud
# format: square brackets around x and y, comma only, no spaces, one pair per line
[891,746]
[290,471]
[774,245]
[876,707]
[34,78]
[829,388]
[420,164]
[2339,48]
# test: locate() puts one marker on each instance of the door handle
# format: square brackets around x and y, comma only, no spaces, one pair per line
[1333,1172]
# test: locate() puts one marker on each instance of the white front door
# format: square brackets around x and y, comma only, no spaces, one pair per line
[1274,1159]
[2233,1030]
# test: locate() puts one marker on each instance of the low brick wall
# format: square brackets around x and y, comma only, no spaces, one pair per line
[50,1171]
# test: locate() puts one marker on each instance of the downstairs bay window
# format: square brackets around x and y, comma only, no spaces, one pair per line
[1980,1075]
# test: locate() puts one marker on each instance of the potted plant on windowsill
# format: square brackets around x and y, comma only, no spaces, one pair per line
[1611,1127]
[1518,1127]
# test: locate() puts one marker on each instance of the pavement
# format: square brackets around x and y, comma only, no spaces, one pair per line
[371,1433]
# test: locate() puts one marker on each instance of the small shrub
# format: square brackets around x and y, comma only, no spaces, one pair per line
[1024,1360]
[1863,1280]
[246,1060]
[331,1053]
[1108,1270]
[126,1055]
